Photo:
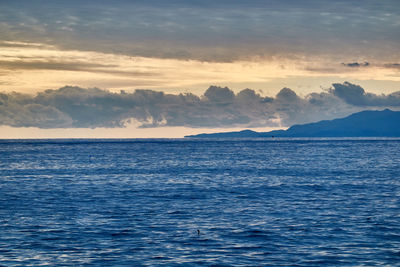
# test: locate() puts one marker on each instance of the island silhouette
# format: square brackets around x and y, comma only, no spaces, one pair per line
[369,123]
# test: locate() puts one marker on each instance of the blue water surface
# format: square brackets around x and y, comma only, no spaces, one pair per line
[255,202]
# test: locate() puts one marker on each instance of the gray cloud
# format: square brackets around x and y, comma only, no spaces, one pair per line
[208,30]
[75,107]
[355,95]
[50,65]
[392,66]
[356,64]
[219,95]
[69,66]
[23,45]
[20,110]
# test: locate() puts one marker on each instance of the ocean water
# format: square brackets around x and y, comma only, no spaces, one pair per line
[283,202]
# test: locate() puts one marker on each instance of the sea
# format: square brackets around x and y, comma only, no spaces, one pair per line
[188,202]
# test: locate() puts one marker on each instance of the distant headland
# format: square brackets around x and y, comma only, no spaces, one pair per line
[369,123]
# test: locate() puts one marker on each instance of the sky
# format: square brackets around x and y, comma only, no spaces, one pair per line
[137,69]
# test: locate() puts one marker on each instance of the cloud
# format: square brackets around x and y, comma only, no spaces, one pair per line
[287,95]
[355,95]
[392,66]
[75,107]
[207,30]
[70,66]
[50,65]
[23,44]
[356,64]
[19,110]
[219,95]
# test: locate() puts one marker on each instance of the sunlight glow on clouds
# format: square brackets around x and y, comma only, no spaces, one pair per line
[30,67]
[181,47]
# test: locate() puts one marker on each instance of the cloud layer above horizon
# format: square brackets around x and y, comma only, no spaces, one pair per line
[177,48]
[220,31]
[180,45]
[75,107]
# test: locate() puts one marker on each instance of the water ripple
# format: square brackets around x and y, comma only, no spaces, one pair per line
[132,202]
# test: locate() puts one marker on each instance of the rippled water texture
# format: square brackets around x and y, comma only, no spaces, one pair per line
[255,202]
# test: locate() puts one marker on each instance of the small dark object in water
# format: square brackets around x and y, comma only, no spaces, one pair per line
[198,232]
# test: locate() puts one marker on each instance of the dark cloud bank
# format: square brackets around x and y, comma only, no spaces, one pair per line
[74,107]
[356,64]
[223,30]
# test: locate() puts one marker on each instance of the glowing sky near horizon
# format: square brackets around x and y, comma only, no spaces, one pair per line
[185,46]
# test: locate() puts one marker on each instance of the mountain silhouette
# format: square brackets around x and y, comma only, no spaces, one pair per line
[385,123]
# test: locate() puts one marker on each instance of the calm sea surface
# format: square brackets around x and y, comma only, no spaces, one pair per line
[255,202]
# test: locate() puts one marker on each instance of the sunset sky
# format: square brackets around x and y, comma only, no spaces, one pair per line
[151,68]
